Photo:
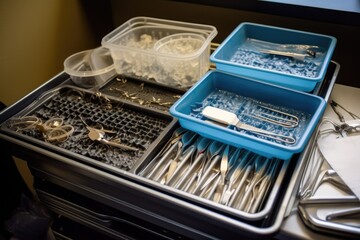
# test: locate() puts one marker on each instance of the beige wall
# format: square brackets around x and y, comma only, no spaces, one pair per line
[35,38]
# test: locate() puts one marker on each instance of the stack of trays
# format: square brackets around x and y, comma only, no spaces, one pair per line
[259,98]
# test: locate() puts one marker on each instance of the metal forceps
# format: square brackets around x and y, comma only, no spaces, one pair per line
[164,153]
[334,105]
[53,129]
[349,127]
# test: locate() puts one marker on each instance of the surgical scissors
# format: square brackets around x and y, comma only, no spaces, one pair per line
[53,129]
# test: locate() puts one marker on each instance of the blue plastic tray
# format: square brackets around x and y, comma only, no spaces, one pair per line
[313,106]
[239,38]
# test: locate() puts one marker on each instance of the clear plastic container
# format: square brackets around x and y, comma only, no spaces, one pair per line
[133,50]
[90,68]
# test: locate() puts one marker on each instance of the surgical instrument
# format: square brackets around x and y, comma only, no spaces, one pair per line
[274,116]
[229,118]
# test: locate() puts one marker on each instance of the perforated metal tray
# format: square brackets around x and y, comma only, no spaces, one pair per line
[187,169]
[125,123]
[152,202]
[143,92]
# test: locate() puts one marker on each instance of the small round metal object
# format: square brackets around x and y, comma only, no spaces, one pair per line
[95,135]
[98,135]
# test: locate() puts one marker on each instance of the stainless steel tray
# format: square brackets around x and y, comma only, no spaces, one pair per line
[248,183]
[182,212]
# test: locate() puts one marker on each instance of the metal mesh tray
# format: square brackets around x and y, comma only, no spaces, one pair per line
[136,128]
[143,92]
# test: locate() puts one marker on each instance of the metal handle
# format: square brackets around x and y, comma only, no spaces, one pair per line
[296,56]
[118,145]
[259,131]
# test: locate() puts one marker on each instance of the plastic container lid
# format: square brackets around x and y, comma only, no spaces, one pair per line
[180,43]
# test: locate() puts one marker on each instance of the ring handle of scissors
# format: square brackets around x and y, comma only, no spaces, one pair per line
[59,134]
[53,123]
[27,122]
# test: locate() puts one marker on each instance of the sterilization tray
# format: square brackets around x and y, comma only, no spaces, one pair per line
[131,125]
[124,189]
[238,95]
